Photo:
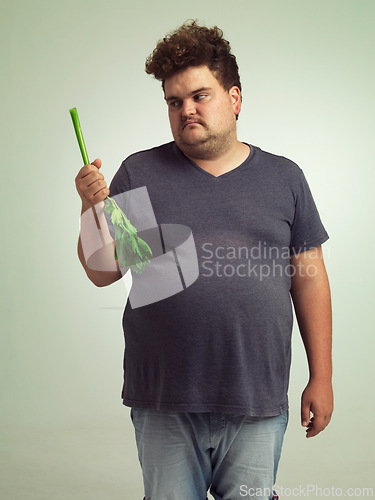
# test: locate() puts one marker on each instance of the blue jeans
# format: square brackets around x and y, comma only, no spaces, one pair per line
[183,455]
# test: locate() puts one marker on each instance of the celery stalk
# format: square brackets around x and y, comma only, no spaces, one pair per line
[131,250]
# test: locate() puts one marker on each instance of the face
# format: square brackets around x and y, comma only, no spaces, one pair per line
[202,114]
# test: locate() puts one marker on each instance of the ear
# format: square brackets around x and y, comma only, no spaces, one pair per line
[235,95]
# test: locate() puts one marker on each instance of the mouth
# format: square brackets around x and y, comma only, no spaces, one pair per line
[187,124]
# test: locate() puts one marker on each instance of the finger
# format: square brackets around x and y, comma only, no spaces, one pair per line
[312,432]
[93,177]
[96,198]
[90,185]
[86,170]
[89,179]
[305,413]
[94,188]
[100,196]
[317,424]
[97,163]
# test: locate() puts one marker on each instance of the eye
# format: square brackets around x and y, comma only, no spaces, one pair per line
[174,104]
[199,97]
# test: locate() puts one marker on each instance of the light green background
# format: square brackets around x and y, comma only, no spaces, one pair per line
[307,70]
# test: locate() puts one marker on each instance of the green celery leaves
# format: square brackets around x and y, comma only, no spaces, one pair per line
[131,251]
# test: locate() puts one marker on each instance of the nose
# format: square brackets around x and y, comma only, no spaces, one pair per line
[188,108]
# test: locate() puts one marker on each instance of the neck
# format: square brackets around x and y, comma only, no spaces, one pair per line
[220,163]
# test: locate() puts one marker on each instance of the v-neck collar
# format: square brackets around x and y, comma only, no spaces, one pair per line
[215,177]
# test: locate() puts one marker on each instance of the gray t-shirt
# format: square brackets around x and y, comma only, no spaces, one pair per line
[224,343]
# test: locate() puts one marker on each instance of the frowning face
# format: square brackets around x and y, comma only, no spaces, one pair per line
[202,113]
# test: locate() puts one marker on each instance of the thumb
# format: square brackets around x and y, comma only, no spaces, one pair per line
[305,413]
[97,163]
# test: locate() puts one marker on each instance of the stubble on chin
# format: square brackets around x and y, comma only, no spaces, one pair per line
[208,143]
[204,148]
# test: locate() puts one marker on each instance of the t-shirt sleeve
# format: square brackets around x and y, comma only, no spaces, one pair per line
[121,181]
[307,230]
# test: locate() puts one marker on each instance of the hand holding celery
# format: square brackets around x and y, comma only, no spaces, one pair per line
[131,251]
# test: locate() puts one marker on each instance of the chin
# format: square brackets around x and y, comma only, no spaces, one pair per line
[197,150]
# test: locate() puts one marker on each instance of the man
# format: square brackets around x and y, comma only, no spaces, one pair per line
[206,371]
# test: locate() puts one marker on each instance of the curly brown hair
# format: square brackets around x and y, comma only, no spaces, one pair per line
[193,45]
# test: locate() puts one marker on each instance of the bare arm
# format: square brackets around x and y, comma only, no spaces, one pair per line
[99,278]
[312,303]
[92,189]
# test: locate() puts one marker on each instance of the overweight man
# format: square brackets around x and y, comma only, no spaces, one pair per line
[206,370]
